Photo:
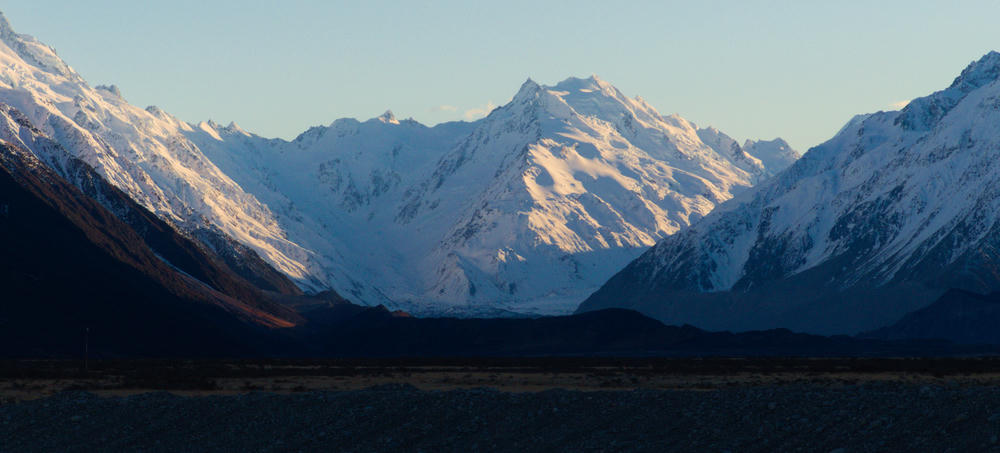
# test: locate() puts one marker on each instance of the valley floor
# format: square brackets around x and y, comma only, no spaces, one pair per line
[504,405]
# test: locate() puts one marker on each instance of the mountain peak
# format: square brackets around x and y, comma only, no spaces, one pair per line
[979,73]
[778,141]
[234,128]
[922,113]
[600,82]
[113,89]
[6,31]
[592,83]
[388,118]
[35,53]
[528,88]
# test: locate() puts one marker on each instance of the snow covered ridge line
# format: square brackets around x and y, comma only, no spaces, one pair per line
[526,210]
[877,222]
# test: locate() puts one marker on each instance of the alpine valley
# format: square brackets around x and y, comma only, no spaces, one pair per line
[877,223]
[527,210]
[141,226]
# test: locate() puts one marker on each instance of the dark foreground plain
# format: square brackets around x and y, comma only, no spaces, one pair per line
[771,404]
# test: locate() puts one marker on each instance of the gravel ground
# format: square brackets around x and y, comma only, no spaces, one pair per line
[868,417]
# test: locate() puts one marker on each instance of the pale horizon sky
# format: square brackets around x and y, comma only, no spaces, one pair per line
[753,69]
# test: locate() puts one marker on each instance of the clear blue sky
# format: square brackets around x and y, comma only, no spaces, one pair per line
[754,69]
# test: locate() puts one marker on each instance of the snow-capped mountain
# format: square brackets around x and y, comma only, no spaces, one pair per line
[775,155]
[729,148]
[875,223]
[142,152]
[526,210]
[761,158]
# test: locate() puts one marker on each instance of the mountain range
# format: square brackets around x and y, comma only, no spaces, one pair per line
[164,237]
[525,211]
[81,282]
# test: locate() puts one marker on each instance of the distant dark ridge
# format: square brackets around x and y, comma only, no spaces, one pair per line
[958,316]
[345,330]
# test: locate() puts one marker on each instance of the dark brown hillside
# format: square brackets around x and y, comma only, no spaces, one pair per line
[962,317]
[188,255]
